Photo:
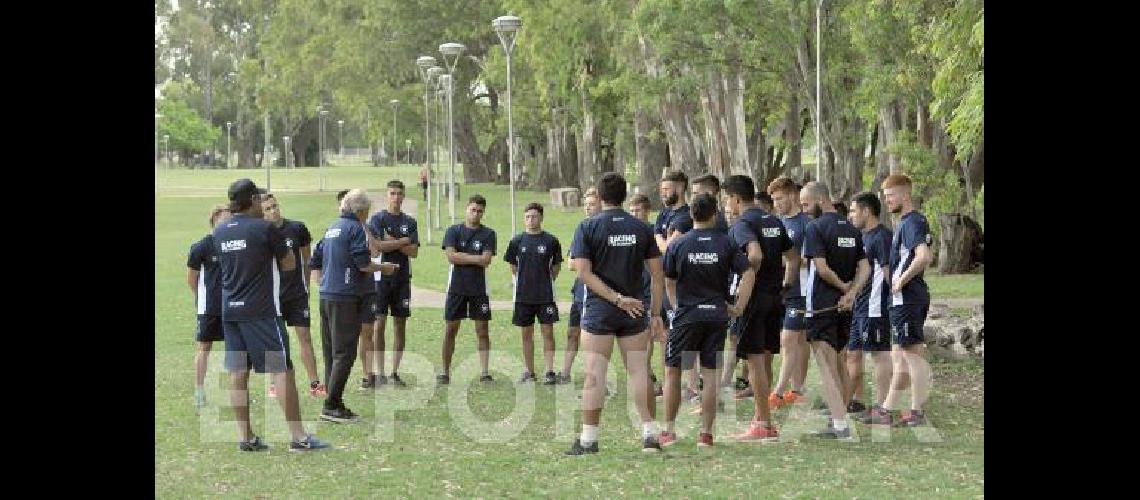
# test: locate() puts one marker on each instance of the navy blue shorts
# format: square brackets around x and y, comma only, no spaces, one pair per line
[525,314]
[869,334]
[575,320]
[394,296]
[831,327]
[906,323]
[209,328]
[367,308]
[760,326]
[795,322]
[476,307]
[296,311]
[686,341]
[261,344]
[603,318]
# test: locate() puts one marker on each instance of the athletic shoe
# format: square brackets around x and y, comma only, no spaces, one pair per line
[757,433]
[705,440]
[775,401]
[318,390]
[368,382]
[379,380]
[310,443]
[253,444]
[794,398]
[486,378]
[396,381]
[857,409]
[832,433]
[341,415]
[741,383]
[527,377]
[442,379]
[564,379]
[667,438]
[551,379]
[649,444]
[912,418]
[878,416]
[578,449]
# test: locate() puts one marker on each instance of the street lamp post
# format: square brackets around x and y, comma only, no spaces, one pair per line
[508,27]
[395,149]
[451,52]
[434,73]
[156,157]
[324,118]
[818,91]
[166,141]
[408,143]
[340,143]
[425,63]
[229,154]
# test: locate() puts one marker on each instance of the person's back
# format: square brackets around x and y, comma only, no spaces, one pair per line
[250,277]
[613,240]
[703,262]
[341,278]
[841,244]
[913,230]
[203,256]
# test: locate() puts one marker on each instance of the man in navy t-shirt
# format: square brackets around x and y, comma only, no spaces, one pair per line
[206,285]
[397,237]
[535,257]
[839,271]
[870,330]
[470,247]
[698,270]
[910,298]
[592,205]
[610,250]
[764,240]
[251,255]
[295,288]
[793,338]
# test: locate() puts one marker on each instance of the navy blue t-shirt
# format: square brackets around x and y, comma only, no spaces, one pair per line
[248,249]
[204,258]
[344,250]
[913,231]
[703,262]
[757,225]
[293,283]
[683,222]
[661,226]
[841,245]
[615,242]
[796,225]
[469,280]
[397,226]
[317,259]
[534,254]
[873,299]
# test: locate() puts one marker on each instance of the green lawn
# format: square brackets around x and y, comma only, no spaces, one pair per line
[427,450]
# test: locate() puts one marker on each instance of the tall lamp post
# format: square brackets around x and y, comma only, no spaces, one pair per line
[229,154]
[340,143]
[395,107]
[508,27]
[818,91]
[424,63]
[166,141]
[156,157]
[324,118]
[434,73]
[451,52]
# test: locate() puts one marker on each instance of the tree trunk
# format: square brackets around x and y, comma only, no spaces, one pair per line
[794,138]
[587,145]
[960,244]
[684,143]
[891,125]
[652,157]
[478,166]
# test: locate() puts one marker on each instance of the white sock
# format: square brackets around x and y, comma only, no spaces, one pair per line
[839,423]
[589,435]
[648,429]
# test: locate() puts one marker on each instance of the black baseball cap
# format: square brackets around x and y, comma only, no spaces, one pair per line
[242,191]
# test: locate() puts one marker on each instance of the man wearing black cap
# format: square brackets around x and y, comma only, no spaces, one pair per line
[252,253]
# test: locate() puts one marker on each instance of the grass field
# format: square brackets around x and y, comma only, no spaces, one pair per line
[427,446]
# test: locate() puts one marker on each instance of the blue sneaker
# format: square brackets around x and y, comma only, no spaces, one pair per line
[310,443]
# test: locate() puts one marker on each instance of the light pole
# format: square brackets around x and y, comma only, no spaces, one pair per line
[408,143]
[508,27]
[818,91]
[340,143]
[451,52]
[425,63]
[324,118]
[395,106]
[156,157]
[166,141]
[229,154]
[434,73]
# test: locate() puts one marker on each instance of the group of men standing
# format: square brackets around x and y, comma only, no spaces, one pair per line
[804,279]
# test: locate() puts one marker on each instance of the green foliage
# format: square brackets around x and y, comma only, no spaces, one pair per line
[187,130]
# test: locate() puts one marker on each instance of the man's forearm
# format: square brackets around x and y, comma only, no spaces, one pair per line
[393,245]
[671,291]
[829,276]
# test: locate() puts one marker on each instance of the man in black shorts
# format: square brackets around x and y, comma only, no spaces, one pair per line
[470,247]
[396,236]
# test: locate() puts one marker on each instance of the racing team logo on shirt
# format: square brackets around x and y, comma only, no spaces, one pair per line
[523,250]
[404,229]
[542,249]
[476,244]
[289,242]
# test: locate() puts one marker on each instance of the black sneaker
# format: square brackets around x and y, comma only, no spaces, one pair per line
[368,382]
[832,433]
[913,418]
[856,408]
[526,377]
[649,444]
[486,378]
[342,415]
[578,449]
[379,380]
[740,384]
[551,379]
[396,382]
[442,379]
[254,444]
[564,379]
[310,443]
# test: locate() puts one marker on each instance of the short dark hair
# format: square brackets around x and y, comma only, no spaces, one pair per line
[533,206]
[740,185]
[341,194]
[868,200]
[611,188]
[639,199]
[703,207]
[841,208]
[395,183]
[708,180]
[677,176]
[477,199]
[765,198]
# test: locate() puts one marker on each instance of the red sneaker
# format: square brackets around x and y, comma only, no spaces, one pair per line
[667,438]
[705,440]
[756,433]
